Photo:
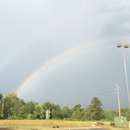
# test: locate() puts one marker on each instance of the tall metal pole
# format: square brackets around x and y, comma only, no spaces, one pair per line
[118,95]
[125,46]
[126,78]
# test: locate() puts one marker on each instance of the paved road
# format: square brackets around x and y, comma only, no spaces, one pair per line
[88,129]
[97,129]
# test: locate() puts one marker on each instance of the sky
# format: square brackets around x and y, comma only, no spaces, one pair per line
[65,51]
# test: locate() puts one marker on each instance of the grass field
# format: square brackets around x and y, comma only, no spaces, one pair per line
[47,124]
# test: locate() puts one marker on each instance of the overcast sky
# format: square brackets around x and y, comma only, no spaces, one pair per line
[64,51]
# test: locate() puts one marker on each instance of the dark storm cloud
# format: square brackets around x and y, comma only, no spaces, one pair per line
[35,32]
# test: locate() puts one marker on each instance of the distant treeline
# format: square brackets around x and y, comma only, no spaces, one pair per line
[12,107]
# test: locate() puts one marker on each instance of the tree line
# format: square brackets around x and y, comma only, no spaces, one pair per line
[12,107]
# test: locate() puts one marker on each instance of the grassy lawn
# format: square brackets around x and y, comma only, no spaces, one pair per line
[47,124]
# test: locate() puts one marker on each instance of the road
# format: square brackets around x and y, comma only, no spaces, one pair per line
[88,129]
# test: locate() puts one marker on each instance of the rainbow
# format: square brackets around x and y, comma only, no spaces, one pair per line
[46,65]
[58,59]
[15,55]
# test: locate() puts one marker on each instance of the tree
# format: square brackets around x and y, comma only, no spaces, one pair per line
[125,112]
[18,109]
[56,112]
[8,103]
[29,107]
[77,115]
[1,96]
[38,112]
[1,111]
[109,115]
[47,106]
[54,109]
[77,107]
[77,112]
[94,110]
[65,112]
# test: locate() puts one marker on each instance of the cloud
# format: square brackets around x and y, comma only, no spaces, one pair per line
[38,31]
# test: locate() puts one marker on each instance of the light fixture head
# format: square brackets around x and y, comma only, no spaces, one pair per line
[119,45]
[126,46]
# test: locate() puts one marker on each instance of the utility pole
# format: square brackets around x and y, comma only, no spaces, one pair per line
[118,95]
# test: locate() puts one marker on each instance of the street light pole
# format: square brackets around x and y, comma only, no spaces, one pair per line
[125,46]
